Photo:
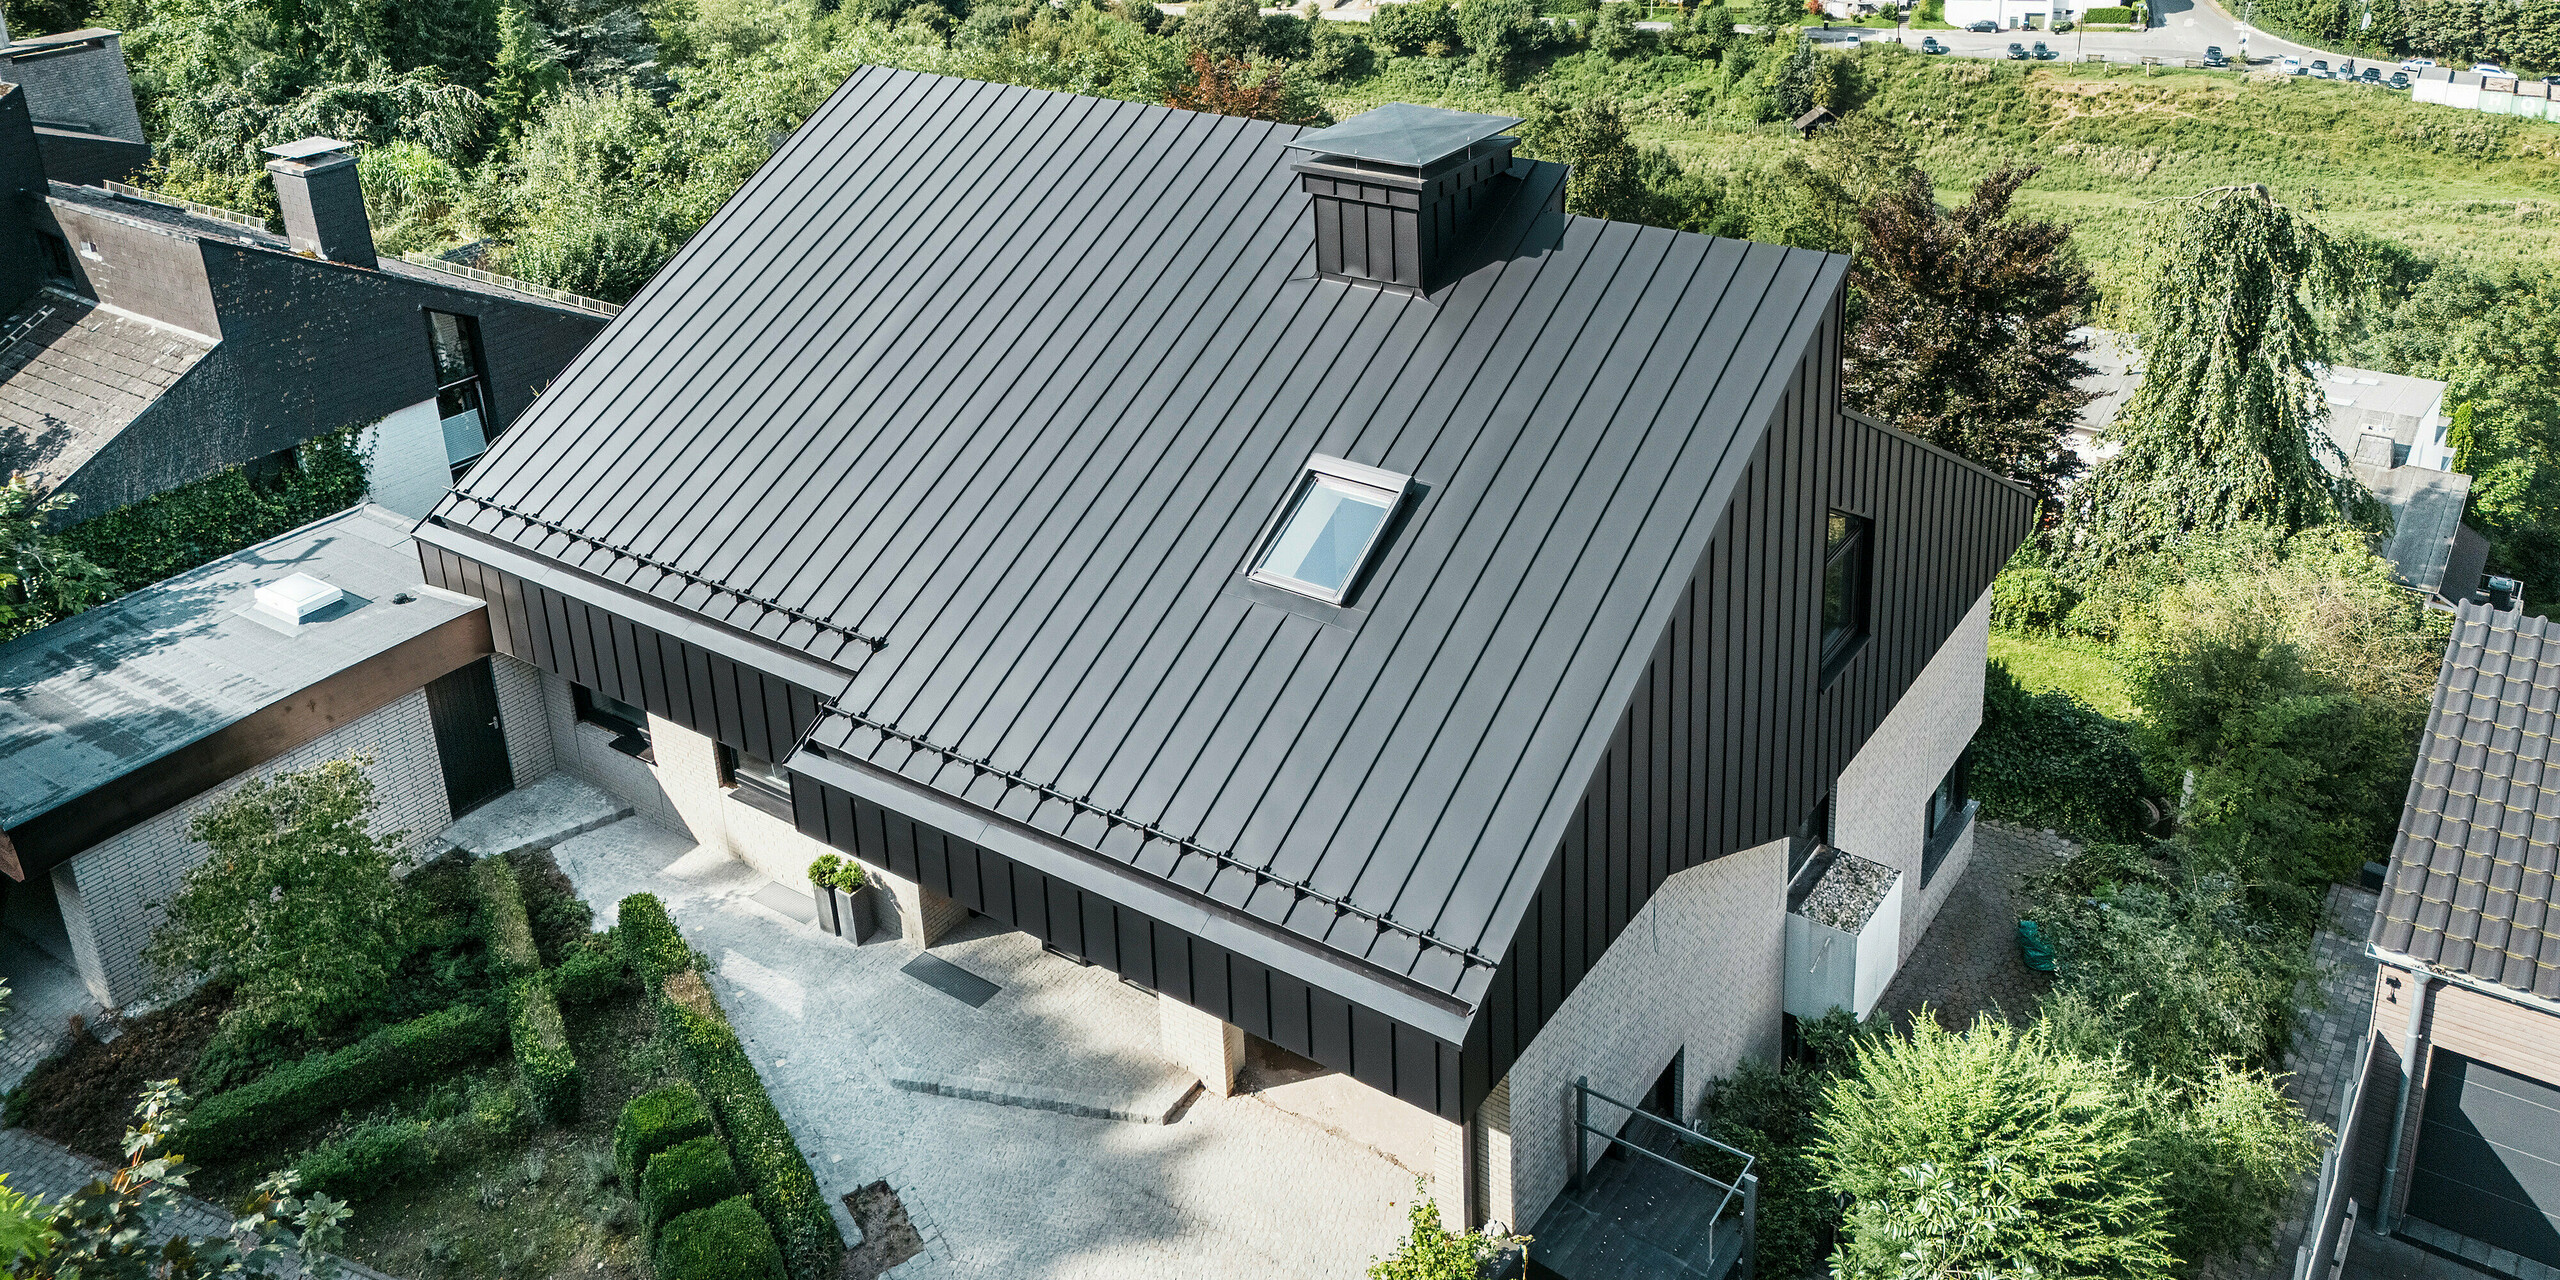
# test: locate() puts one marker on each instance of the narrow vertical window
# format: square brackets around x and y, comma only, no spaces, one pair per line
[1949,811]
[1846,568]
[462,400]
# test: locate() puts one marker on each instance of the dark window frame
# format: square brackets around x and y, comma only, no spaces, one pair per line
[1945,815]
[1848,560]
[473,386]
[748,789]
[631,738]
[60,266]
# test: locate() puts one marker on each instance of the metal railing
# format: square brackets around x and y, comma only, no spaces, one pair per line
[2323,1252]
[214,212]
[544,292]
[1745,1185]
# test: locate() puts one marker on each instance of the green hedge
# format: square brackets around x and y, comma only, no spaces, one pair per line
[650,940]
[368,1158]
[653,1122]
[2050,760]
[511,946]
[590,975]
[227,1124]
[775,1172]
[2119,13]
[690,1175]
[724,1242]
[541,1043]
[197,523]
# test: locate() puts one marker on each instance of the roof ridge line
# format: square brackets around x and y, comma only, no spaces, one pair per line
[876,643]
[1116,817]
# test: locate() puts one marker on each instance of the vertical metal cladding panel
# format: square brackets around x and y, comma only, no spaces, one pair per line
[626,660]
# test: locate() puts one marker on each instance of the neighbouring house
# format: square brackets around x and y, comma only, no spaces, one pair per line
[2454,1140]
[86,123]
[119,725]
[2012,15]
[1307,573]
[2391,431]
[145,344]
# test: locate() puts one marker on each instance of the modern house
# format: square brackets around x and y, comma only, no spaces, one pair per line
[1307,573]
[2390,430]
[2459,1128]
[145,344]
[120,724]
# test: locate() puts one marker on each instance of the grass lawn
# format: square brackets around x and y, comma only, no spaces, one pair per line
[2078,667]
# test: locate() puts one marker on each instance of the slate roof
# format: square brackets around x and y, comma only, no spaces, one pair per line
[81,373]
[91,698]
[1010,379]
[2472,880]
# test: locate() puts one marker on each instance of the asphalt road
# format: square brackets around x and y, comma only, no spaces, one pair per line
[2183,29]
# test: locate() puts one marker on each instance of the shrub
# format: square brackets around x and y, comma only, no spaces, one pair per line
[2029,594]
[231,1123]
[591,975]
[694,1174]
[769,1161]
[845,874]
[724,1242]
[197,523]
[511,946]
[543,1059]
[653,1122]
[368,1158]
[2050,760]
[1334,53]
[650,940]
[1412,26]
[1768,1112]
[2108,13]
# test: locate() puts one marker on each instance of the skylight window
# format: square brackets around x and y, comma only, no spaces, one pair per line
[1334,520]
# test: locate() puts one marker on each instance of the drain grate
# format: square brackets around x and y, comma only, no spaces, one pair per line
[951,980]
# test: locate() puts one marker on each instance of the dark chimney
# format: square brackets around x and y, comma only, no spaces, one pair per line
[22,191]
[323,202]
[1395,190]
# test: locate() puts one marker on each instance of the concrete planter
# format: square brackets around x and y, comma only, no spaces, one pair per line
[830,910]
[844,915]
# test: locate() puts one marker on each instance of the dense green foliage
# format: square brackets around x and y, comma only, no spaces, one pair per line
[42,577]
[653,1122]
[173,532]
[372,1156]
[769,1160]
[511,949]
[724,1242]
[2048,759]
[294,903]
[1768,1112]
[540,1041]
[650,940]
[239,1121]
[2520,35]
[1430,1251]
[590,975]
[693,1174]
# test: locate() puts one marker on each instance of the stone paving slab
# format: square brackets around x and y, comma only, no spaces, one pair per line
[1968,961]
[1232,1188]
[1154,1105]
[39,1166]
[44,994]
[554,809]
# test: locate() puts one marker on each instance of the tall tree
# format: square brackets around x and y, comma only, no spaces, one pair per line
[1963,328]
[525,74]
[2229,426]
[2504,368]
[1607,179]
[40,578]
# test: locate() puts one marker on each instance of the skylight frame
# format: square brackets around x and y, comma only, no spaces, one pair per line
[1389,485]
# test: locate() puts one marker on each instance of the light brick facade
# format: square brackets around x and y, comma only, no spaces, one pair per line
[1883,795]
[522,718]
[110,893]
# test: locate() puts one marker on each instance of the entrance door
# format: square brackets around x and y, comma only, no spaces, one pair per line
[2489,1158]
[463,704]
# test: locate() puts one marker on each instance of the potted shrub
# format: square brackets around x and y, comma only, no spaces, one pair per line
[822,893]
[835,886]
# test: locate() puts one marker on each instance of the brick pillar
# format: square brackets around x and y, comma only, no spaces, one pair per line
[1491,1169]
[1451,1171]
[1201,1043]
[924,916]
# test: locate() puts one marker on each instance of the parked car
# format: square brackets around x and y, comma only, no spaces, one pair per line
[1984,27]
[2400,80]
[1929,44]
[2213,56]
[2320,67]
[2293,66]
[2417,64]
[2043,53]
[2551,80]
[2017,51]
[2372,75]
[2487,69]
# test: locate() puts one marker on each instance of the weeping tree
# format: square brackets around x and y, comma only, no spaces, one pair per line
[2229,426]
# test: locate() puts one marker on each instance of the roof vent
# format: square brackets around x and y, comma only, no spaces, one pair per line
[1395,188]
[2374,450]
[322,200]
[2504,593]
[295,598]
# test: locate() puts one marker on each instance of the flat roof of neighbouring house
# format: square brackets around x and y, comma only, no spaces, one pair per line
[1009,380]
[2360,400]
[2426,513]
[91,698]
[2473,887]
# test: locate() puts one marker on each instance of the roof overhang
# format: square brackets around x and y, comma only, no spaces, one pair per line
[2403,960]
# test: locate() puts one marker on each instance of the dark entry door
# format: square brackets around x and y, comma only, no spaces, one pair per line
[464,706]
[2489,1157]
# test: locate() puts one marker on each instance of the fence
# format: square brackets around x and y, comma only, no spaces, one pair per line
[1745,1185]
[478,276]
[214,212]
[2331,1228]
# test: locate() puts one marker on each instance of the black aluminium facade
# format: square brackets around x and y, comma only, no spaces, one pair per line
[983,525]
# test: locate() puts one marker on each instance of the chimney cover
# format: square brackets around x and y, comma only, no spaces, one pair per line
[295,597]
[1403,134]
[307,148]
[1394,192]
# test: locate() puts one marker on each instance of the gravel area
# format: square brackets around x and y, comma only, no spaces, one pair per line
[1848,892]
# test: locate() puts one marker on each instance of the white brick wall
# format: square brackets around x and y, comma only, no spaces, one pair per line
[523,719]
[1698,970]
[1883,796]
[110,894]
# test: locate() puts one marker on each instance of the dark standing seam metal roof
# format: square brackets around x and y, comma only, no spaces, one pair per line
[2472,886]
[1011,379]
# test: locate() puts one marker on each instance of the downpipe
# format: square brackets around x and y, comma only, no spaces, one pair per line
[2420,986]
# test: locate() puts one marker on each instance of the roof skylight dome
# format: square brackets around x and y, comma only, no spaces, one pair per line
[1335,518]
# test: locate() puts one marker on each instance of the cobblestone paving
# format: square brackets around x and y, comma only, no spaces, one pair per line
[45,992]
[1233,1187]
[37,1166]
[1968,962]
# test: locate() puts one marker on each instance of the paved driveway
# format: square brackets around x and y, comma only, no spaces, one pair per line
[1232,1187]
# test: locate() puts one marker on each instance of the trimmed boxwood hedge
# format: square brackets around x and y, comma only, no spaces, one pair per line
[591,974]
[653,1122]
[650,940]
[543,1059]
[690,1175]
[511,946]
[724,1242]
[227,1124]
[368,1158]
[2120,13]
[769,1161]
